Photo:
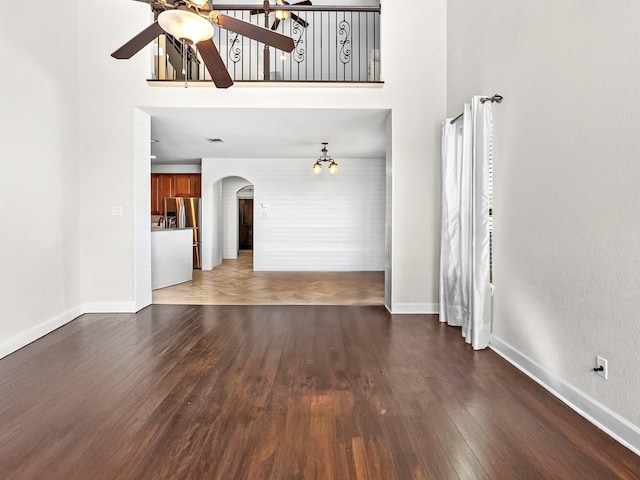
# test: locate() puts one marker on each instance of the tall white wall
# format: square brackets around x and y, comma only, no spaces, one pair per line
[414,72]
[567,207]
[39,277]
[310,222]
[388,225]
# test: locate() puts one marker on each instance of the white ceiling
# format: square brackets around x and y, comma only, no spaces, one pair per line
[265,133]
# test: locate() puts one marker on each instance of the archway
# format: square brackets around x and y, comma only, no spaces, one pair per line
[220,237]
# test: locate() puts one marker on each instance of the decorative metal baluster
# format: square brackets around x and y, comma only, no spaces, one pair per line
[235,52]
[344,35]
[297,33]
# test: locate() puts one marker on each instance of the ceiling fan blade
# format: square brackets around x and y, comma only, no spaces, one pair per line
[299,21]
[260,34]
[215,65]
[295,17]
[138,42]
[275,25]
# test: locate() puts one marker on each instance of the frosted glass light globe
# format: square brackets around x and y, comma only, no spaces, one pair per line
[185,25]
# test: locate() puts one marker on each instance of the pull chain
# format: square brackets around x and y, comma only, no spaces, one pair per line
[184,62]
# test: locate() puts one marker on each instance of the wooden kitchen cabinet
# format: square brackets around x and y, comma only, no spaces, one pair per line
[184,185]
[165,185]
[161,187]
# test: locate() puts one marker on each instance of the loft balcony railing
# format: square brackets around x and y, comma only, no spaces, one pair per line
[332,44]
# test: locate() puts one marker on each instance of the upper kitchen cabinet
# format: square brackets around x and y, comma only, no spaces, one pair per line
[186,185]
[165,185]
[160,189]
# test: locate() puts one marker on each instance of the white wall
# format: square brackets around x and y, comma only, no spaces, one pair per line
[39,278]
[567,208]
[414,71]
[388,222]
[142,234]
[314,222]
[175,168]
[212,227]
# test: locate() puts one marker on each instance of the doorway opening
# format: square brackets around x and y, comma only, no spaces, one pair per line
[245,218]
[304,225]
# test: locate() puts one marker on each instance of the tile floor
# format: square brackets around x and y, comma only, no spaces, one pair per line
[235,283]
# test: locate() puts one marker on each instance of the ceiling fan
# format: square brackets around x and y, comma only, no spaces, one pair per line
[191,21]
[284,14]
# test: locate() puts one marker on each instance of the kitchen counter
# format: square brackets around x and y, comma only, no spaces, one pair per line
[155,228]
[171,256]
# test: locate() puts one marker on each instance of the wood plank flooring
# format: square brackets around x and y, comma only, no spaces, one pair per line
[235,283]
[283,392]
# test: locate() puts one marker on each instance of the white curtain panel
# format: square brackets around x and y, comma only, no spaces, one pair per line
[465,289]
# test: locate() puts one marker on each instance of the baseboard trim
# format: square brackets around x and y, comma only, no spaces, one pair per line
[414,308]
[601,416]
[109,307]
[25,338]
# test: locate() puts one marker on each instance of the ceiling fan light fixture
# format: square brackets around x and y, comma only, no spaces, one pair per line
[197,3]
[282,14]
[185,26]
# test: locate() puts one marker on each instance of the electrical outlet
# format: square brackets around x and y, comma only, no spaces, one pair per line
[602,362]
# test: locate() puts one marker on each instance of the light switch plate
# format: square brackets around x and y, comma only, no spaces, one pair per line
[116,211]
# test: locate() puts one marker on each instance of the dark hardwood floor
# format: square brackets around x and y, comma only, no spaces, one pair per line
[280,392]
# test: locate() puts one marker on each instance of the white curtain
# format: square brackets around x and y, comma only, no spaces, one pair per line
[465,288]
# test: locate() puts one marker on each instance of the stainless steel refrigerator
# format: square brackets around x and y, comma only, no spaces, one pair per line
[186,211]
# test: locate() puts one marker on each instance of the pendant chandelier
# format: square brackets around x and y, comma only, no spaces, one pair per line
[325,158]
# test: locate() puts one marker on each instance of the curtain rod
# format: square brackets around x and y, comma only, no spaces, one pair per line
[496,98]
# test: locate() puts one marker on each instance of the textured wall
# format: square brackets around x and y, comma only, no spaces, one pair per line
[313,222]
[567,208]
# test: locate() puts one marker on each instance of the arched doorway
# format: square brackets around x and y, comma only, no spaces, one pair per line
[223,236]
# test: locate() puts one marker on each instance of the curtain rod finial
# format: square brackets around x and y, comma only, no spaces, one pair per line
[496,98]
